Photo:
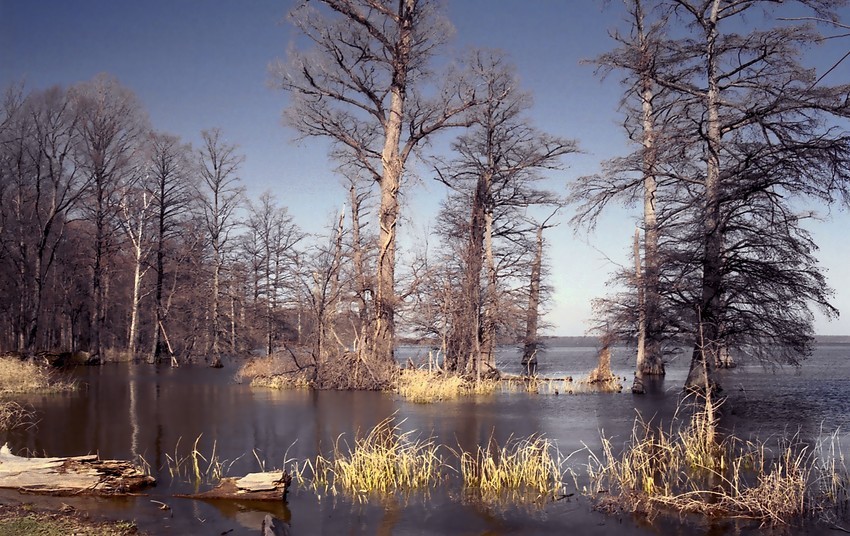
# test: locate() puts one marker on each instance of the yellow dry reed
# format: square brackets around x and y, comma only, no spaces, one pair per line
[528,468]
[424,387]
[692,470]
[383,462]
[18,376]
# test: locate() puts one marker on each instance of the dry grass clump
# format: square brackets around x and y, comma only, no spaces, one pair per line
[383,462]
[13,415]
[832,476]
[424,386]
[387,462]
[18,376]
[276,371]
[692,470]
[523,469]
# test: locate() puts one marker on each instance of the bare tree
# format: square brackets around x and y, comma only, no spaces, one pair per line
[42,184]
[136,217]
[500,160]
[740,129]
[171,171]
[219,164]
[760,113]
[641,55]
[531,342]
[274,237]
[109,127]
[363,86]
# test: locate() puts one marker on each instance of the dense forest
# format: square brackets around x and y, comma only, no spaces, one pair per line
[128,243]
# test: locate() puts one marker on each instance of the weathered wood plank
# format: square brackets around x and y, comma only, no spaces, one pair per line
[267,486]
[75,475]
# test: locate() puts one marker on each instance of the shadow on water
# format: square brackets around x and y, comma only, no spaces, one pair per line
[124,411]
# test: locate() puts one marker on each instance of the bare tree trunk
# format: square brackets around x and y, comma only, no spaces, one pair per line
[491,298]
[701,373]
[233,319]
[640,286]
[476,310]
[134,306]
[97,315]
[385,298]
[652,363]
[361,279]
[160,276]
[214,315]
[529,354]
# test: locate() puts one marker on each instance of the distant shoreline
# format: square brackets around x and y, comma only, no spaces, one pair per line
[575,341]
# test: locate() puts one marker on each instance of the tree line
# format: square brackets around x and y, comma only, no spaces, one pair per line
[118,238]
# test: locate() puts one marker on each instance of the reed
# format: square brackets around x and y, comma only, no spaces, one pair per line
[196,468]
[18,377]
[692,470]
[383,462]
[283,381]
[523,469]
[13,415]
[424,386]
[276,371]
[539,385]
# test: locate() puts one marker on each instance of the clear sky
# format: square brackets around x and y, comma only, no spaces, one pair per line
[198,64]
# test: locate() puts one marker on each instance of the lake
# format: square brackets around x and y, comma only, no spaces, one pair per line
[125,410]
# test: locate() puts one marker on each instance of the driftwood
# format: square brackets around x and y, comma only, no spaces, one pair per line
[268,486]
[78,475]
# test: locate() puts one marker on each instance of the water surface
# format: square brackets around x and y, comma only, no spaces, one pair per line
[126,410]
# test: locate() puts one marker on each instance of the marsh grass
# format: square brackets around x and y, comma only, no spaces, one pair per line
[283,381]
[17,377]
[382,463]
[13,415]
[538,385]
[693,470]
[521,471]
[196,468]
[276,371]
[558,386]
[424,386]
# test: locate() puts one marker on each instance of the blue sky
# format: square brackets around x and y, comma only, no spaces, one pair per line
[198,64]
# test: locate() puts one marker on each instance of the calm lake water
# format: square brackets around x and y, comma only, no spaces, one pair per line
[127,410]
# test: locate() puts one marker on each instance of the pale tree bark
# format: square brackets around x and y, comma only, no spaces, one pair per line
[652,363]
[491,296]
[136,211]
[219,164]
[362,88]
[701,373]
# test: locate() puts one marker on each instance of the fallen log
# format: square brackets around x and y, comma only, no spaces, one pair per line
[77,475]
[267,486]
